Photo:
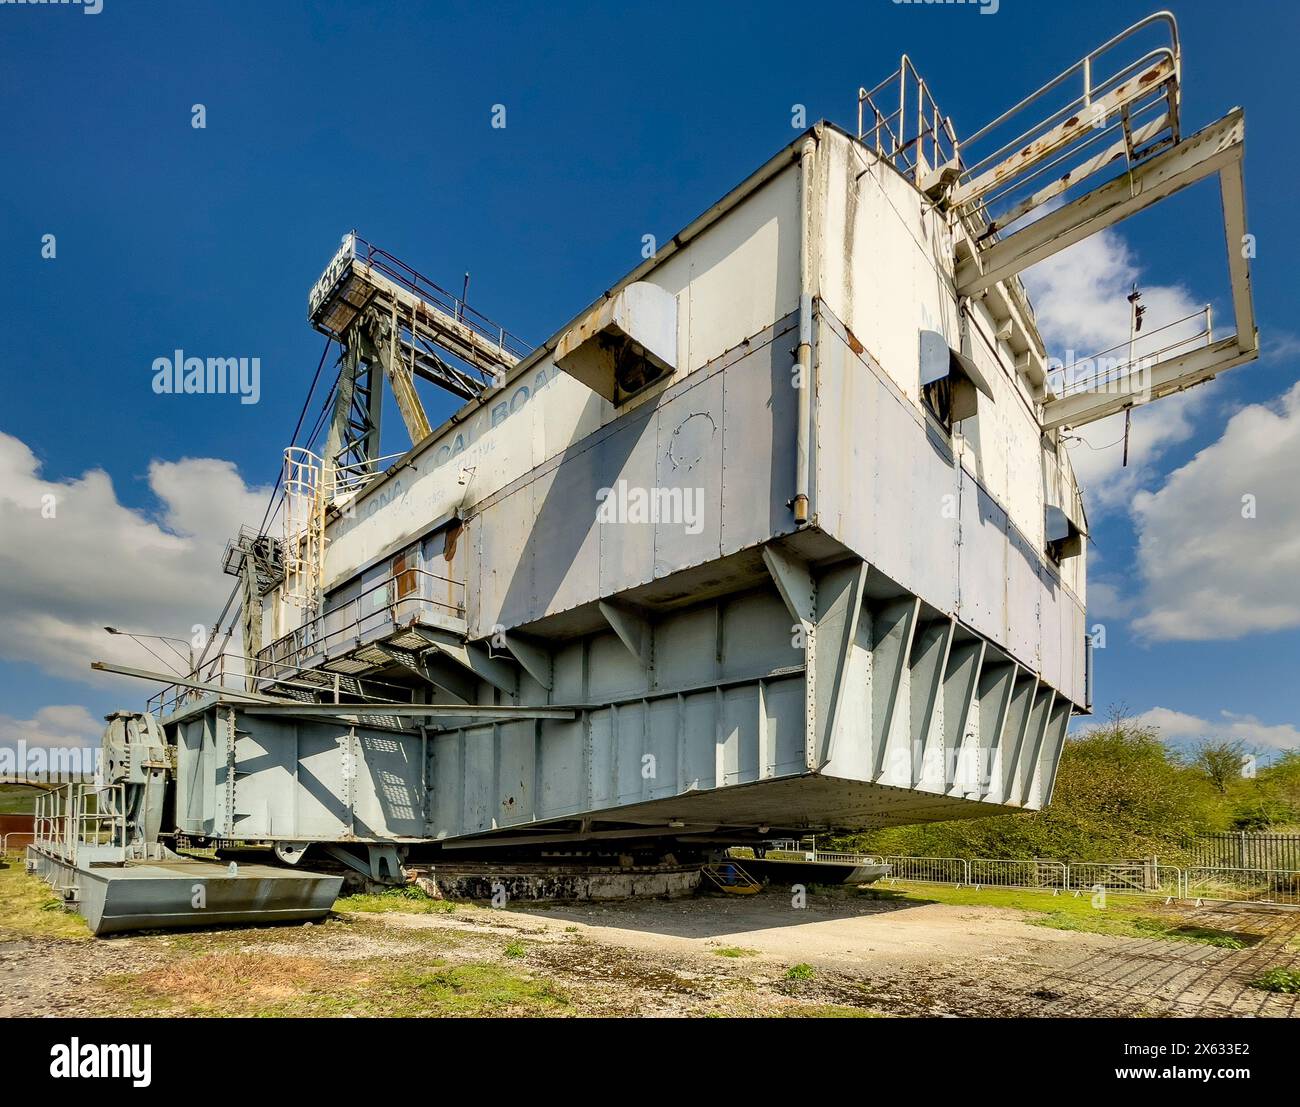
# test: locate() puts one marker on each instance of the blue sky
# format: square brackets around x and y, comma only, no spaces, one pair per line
[328,115]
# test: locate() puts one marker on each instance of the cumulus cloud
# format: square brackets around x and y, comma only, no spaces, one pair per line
[1219,542]
[1080,303]
[1179,726]
[60,726]
[73,559]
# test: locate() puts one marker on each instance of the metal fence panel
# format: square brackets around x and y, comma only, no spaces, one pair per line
[1247,851]
[1133,878]
[1247,885]
[928,870]
[1004,873]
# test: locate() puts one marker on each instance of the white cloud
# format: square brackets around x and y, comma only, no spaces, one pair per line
[60,726]
[98,563]
[1080,303]
[1179,726]
[1208,569]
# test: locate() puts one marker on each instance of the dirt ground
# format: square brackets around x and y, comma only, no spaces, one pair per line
[889,955]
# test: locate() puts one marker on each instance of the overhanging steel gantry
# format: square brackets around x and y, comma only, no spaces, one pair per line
[1217,149]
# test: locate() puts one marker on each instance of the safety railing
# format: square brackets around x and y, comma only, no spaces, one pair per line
[1118,368]
[1127,878]
[395,601]
[303,511]
[81,818]
[928,870]
[1006,873]
[13,843]
[819,856]
[1146,877]
[900,134]
[1116,105]
[396,270]
[1127,89]
[1272,886]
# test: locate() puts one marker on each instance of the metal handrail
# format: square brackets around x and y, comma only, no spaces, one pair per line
[280,659]
[1084,65]
[80,815]
[997,184]
[1122,369]
[307,637]
[417,283]
[901,134]
[931,123]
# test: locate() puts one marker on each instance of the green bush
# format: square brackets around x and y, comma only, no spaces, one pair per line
[1120,793]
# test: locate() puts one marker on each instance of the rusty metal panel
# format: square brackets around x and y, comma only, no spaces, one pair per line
[505,571]
[886,484]
[613,672]
[1023,593]
[738,754]
[602,746]
[630,739]
[659,774]
[478,795]
[561,771]
[445,774]
[699,725]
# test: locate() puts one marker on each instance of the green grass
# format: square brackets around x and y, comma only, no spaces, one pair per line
[1119,918]
[1279,980]
[800,971]
[264,985]
[516,949]
[478,989]
[17,799]
[735,951]
[28,907]
[828,1011]
[408,899]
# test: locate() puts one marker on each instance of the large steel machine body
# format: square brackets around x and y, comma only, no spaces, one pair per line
[779,534]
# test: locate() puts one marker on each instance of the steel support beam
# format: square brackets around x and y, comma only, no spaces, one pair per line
[534,659]
[477,712]
[632,628]
[893,627]
[1166,377]
[839,609]
[1204,153]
